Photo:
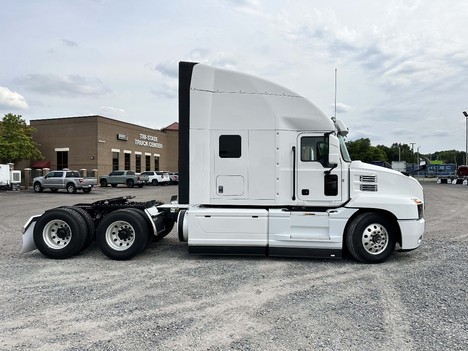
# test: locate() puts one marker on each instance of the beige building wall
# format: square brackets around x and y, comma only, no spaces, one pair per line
[91,141]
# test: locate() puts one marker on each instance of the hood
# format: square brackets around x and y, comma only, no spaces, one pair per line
[372,179]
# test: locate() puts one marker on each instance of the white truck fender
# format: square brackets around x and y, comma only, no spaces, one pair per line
[28,235]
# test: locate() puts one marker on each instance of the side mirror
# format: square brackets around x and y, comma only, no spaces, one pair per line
[333,159]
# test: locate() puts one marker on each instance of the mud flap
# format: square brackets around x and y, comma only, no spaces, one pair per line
[28,237]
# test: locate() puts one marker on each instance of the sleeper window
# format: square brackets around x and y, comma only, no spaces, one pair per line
[230,146]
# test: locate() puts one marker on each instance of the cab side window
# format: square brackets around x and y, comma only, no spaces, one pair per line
[314,149]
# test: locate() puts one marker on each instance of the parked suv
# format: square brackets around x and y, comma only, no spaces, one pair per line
[157,177]
[174,176]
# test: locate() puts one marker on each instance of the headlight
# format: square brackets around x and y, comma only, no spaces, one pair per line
[420,206]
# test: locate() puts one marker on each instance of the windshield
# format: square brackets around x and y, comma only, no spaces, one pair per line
[343,149]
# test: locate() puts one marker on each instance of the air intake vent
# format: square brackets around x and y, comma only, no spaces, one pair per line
[368,187]
[368,179]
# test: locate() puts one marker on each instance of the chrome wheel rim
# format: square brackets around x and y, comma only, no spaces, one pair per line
[120,235]
[57,234]
[375,238]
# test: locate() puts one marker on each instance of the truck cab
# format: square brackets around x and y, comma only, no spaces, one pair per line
[281,182]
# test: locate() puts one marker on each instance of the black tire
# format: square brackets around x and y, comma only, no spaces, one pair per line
[71,188]
[370,237]
[54,190]
[87,190]
[169,225]
[130,183]
[114,185]
[60,233]
[140,185]
[154,182]
[38,187]
[121,235]
[103,183]
[180,225]
[91,229]
[145,221]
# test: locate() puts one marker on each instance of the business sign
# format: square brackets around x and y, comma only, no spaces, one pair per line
[122,136]
[148,141]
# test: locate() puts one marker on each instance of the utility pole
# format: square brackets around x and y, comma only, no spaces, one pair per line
[412,153]
[466,137]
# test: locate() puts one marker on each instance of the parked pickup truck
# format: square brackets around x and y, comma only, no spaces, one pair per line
[129,178]
[69,180]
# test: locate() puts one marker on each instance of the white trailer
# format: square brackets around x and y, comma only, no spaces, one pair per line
[9,178]
[262,171]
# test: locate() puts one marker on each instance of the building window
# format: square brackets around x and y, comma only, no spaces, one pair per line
[115,161]
[156,162]
[127,161]
[138,163]
[62,159]
[147,163]
[230,146]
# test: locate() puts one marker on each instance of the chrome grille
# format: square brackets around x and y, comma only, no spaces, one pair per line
[368,179]
[368,187]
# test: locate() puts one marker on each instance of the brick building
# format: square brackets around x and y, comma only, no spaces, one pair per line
[104,144]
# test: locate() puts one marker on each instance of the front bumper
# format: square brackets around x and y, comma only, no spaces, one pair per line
[412,232]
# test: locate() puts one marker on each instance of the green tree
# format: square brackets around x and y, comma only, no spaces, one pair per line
[362,149]
[16,142]
[449,156]
[398,152]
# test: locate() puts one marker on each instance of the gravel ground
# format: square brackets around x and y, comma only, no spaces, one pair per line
[165,299]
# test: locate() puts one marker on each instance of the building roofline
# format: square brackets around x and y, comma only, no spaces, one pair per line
[101,117]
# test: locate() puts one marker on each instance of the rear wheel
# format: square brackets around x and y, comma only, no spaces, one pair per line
[60,233]
[144,220]
[121,235]
[90,228]
[370,237]
[103,182]
[130,183]
[71,188]
[168,226]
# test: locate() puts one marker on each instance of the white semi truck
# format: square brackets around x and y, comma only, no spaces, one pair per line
[262,171]
[9,178]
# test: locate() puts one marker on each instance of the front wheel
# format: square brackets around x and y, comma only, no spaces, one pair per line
[370,237]
[121,235]
[103,183]
[38,187]
[130,183]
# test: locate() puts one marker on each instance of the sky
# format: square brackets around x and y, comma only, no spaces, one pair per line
[402,65]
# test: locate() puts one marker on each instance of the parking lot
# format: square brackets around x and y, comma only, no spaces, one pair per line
[165,299]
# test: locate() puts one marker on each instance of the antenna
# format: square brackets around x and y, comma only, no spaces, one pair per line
[336,79]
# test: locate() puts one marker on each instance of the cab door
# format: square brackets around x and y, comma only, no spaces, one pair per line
[54,180]
[318,181]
